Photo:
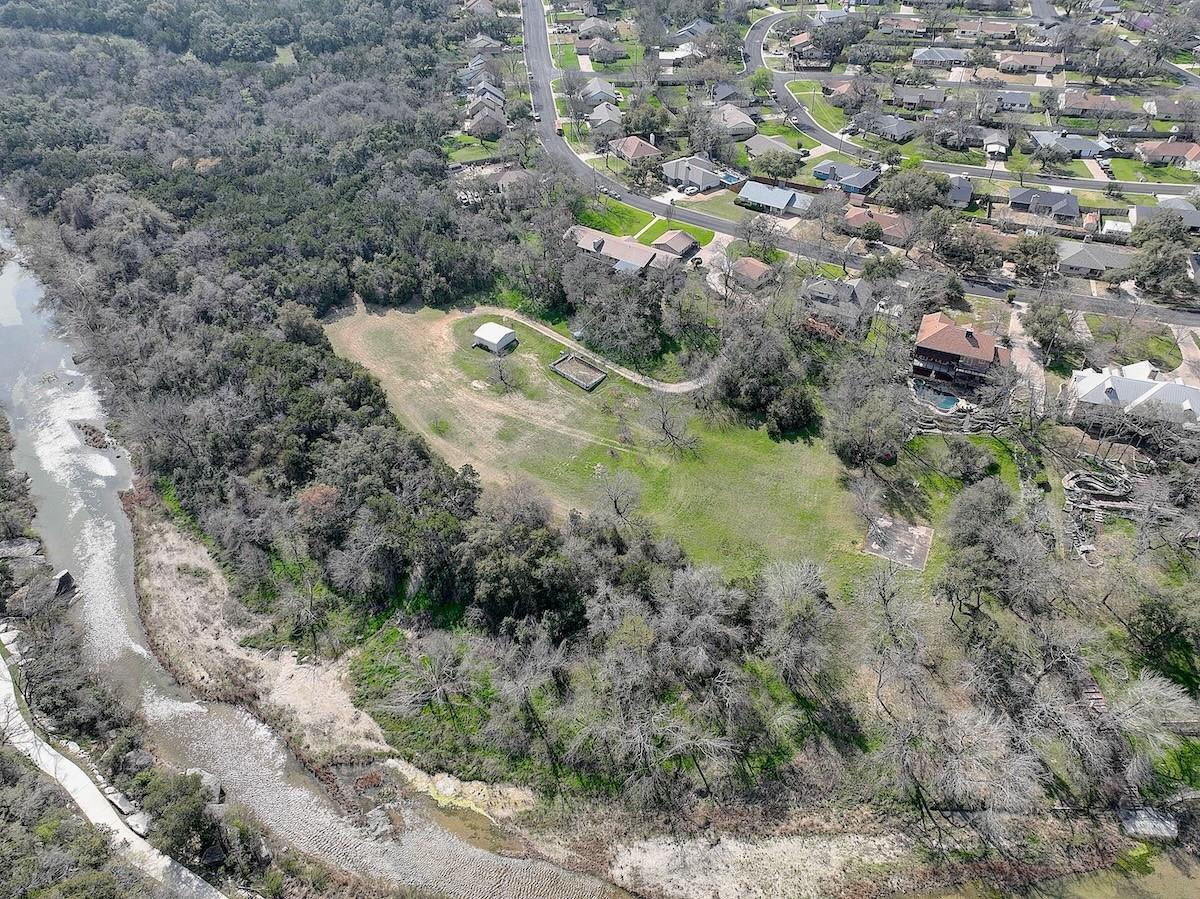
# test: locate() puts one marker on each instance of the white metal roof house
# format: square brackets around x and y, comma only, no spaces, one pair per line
[1140,387]
[494,337]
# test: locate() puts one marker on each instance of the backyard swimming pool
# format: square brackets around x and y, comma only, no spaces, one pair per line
[943,402]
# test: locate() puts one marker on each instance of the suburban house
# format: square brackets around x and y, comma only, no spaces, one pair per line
[1170,152]
[841,300]
[1062,206]
[484,45]
[961,191]
[947,351]
[1139,215]
[600,49]
[762,143]
[850,178]
[903,25]
[804,54]
[893,128]
[485,90]
[479,104]
[699,172]
[475,72]
[678,243]
[633,148]
[823,17]
[896,227]
[938,57]
[598,91]
[728,92]
[1078,146]
[1075,102]
[627,255]
[1030,61]
[487,124]
[918,97]
[594,27]
[735,121]
[1011,101]
[1104,7]
[1090,259]
[1169,110]
[686,54]
[1139,386]
[768,198]
[605,119]
[751,273]
[981,29]
[697,28]
[482,8]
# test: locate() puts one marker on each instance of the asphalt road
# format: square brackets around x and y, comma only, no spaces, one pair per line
[540,65]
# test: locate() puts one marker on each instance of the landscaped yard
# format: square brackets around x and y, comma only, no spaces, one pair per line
[740,501]
[615,217]
[1132,342]
[823,112]
[1136,170]
[719,203]
[662,226]
[634,51]
[1073,168]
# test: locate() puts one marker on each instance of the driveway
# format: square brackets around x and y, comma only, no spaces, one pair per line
[1189,369]
[1027,358]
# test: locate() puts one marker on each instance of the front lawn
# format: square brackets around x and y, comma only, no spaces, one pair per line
[823,112]
[662,226]
[565,56]
[1136,170]
[1128,342]
[719,204]
[789,135]
[615,217]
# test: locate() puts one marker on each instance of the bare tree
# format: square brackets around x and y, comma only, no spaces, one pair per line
[666,418]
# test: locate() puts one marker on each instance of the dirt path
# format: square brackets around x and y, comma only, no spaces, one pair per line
[1027,358]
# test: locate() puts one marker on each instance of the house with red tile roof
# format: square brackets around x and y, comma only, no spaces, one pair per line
[948,351]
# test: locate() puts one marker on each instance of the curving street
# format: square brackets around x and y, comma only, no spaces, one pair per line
[540,65]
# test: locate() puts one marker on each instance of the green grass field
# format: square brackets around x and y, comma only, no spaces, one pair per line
[465,148]
[564,56]
[789,135]
[662,226]
[823,112]
[1141,340]
[1136,170]
[615,217]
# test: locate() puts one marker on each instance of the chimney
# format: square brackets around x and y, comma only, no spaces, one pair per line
[652,139]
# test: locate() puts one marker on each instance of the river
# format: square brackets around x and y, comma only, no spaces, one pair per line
[76,489]
[84,527]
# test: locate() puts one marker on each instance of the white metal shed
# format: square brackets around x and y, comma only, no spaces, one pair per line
[494,337]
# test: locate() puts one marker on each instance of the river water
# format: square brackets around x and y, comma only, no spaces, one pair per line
[80,519]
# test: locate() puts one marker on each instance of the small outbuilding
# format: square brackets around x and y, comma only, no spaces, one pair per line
[495,338]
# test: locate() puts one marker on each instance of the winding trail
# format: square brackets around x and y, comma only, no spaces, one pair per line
[18,732]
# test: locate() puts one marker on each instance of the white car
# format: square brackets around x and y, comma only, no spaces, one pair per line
[691,190]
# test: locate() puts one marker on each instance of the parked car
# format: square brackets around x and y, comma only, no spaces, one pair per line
[537,116]
[691,190]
